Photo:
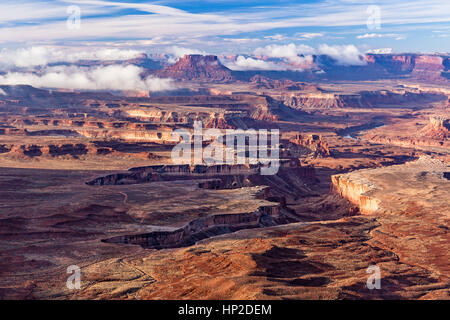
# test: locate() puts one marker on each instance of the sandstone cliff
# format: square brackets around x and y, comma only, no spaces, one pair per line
[390,189]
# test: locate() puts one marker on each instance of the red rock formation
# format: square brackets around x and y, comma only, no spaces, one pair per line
[438,128]
[357,192]
[313,142]
[421,67]
[198,68]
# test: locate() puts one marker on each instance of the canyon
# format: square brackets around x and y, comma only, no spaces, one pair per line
[88,179]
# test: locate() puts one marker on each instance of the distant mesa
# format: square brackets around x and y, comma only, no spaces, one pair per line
[197,67]
[24,91]
[420,67]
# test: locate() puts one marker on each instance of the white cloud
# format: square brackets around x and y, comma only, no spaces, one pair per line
[41,56]
[307,36]
[276,37]
[242,63]
[114,77]
[344,54]
[287,57]
[179,52]
[380,35]
[380,51]
[242,40]
[290,52]
[369,35]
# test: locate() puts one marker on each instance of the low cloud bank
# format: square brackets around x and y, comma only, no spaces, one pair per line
[42,56]
[275,57]
[114,77]
[290,52]
[242,63]
[381,51]
[176,52]
[295,57]
[37,62]
[344,55]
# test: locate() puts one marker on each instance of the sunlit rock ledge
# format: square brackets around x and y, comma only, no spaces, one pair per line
[423,182]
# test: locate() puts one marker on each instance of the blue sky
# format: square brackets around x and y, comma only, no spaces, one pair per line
[227,27]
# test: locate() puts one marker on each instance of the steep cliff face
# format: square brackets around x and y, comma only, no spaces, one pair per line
[197,67]
[360,100]
[357,192]
[203,228]
[394,64]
